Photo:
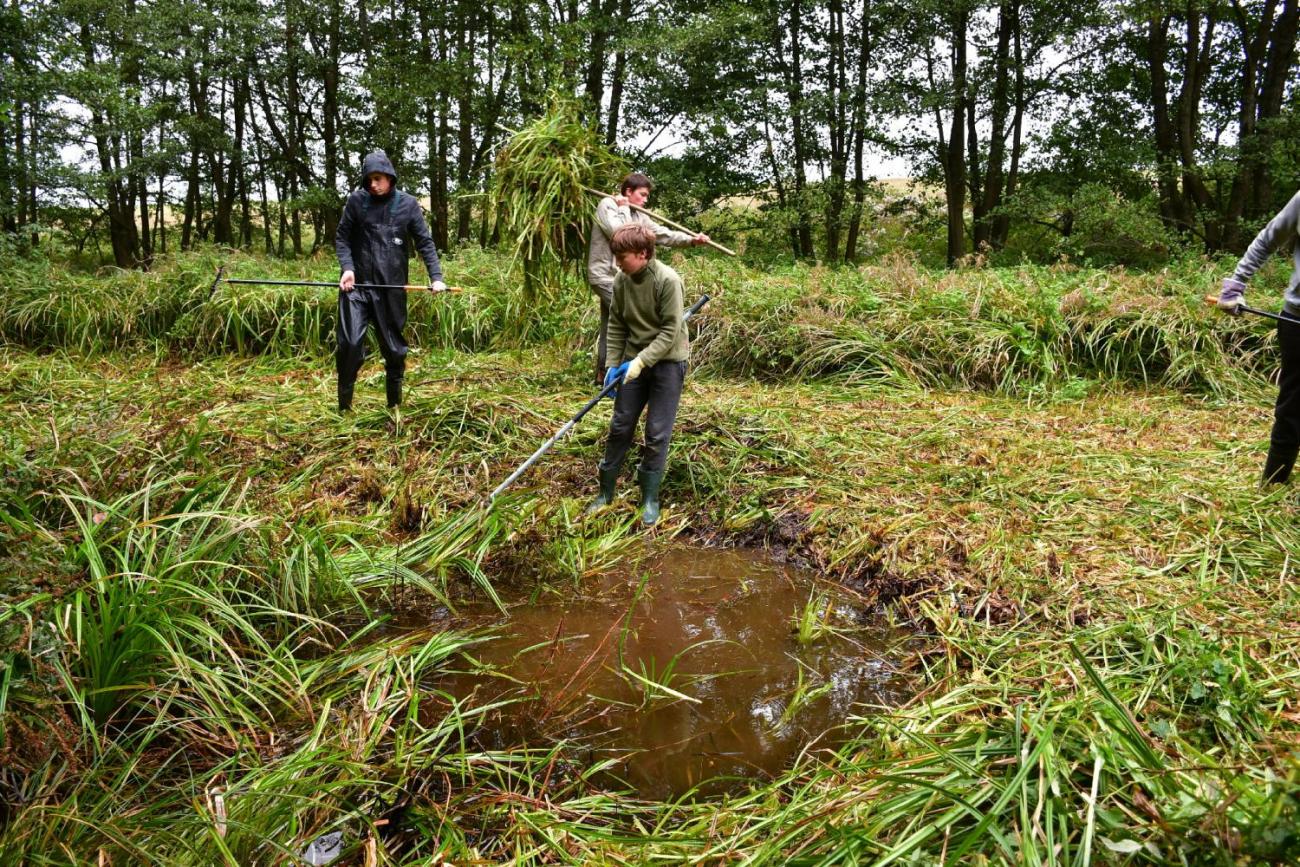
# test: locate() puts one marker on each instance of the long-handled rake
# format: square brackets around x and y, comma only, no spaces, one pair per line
[1213,301]
[568,425]
[409,287]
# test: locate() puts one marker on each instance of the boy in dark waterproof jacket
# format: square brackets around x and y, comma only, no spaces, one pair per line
[378,226]
[647,347]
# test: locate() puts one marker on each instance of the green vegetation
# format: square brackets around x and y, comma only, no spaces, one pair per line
[1048,473]
[543,173]
[1026,330]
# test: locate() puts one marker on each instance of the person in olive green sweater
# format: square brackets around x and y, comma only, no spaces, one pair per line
[647,348]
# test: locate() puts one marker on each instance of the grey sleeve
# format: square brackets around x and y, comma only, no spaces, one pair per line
[666,237]
[610,217]
[1281,228]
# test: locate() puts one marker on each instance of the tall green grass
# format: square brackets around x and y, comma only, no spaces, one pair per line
[1013,330]
[176,308]
[1007,330]
[194,660]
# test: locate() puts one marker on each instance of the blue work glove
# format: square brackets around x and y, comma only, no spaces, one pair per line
[1232,296]
[614,374]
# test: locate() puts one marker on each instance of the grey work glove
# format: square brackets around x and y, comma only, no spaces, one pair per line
[1232,296]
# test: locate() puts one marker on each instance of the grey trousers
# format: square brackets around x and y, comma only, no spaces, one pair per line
[606,296]
[658,390]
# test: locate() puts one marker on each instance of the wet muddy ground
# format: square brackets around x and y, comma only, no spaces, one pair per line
[702,670]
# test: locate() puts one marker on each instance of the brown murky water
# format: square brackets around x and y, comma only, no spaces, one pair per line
[690,674]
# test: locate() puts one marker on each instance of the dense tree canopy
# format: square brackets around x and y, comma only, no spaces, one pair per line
[148,125]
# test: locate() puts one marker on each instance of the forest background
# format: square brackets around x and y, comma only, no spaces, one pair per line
[1110,133]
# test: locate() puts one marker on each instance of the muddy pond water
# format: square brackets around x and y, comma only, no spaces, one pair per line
[701,670]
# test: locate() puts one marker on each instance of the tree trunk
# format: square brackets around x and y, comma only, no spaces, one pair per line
[954,165]
[620,73]
[984,228]
[331,77]
[1268,51]
[796,95]
[294,124]
[1002,222]
[245,206]
[1196,67]
[191,196]
[838,127]
[269,244]
[602,30]
[974,169]
[782,200]
[226,171]
[30,174]
[121,225]
[465,46]
[1172,207]
[140,182]
[8,203]
[161,210]
[859,136]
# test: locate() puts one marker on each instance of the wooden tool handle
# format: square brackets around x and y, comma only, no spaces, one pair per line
[417,288]
[662,219]
[1211,300]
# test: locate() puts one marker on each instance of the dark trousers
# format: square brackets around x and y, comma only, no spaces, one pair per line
[358,309]
[658,390]
[1284,442]
[606,298]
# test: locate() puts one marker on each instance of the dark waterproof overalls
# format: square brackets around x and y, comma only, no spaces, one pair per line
[373,241]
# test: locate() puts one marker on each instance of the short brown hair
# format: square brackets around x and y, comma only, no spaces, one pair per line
[633,238]
[636,181]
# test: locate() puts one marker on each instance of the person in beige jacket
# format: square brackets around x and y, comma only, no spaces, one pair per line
[612,213]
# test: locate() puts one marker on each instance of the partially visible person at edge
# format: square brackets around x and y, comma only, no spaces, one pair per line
[1284,442]
[612,213]
[648,348]
[378,226]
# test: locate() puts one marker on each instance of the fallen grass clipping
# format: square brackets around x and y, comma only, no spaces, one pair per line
[1048,474]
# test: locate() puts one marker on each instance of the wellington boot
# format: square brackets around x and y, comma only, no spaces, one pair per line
[394,389]
[608,479]
[650,482]
[1278,464]
[345,398]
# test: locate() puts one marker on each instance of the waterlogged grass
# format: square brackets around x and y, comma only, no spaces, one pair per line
[1020,330]
[1023,330]
[196,665]
[177,307]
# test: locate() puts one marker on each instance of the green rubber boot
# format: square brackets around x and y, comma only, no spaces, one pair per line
[608,478]
[650,482]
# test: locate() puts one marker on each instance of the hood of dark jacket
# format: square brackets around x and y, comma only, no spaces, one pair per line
[377,162]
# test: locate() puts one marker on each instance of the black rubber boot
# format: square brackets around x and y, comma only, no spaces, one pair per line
[393,385]
[1278,464]
[650,482]
[608,479]
[345,398]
